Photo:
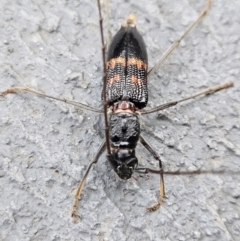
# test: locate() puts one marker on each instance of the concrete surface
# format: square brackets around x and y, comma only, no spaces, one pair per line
[54,46]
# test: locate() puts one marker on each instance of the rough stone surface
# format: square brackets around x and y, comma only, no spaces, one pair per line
[45,146]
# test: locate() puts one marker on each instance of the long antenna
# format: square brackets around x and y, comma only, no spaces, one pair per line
[177,42]
[104,78]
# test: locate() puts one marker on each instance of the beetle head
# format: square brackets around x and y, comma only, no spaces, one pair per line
[124,162]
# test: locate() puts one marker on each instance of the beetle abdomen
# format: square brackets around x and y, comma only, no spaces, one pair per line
[127,67]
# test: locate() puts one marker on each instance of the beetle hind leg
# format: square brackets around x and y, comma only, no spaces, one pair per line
[162,196]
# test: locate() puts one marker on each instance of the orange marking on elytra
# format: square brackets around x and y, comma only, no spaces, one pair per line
[112,62]
[115,78]
[138,62]
[135,79]
[131,61]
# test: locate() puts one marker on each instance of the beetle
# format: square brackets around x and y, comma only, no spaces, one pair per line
[125,96]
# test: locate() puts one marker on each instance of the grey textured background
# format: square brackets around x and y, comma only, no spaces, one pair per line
[54,46]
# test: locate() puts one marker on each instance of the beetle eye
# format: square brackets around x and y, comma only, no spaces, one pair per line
[115,139]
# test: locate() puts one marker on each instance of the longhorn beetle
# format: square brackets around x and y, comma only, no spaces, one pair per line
[124,96]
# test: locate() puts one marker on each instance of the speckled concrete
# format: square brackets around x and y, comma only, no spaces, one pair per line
[45,146]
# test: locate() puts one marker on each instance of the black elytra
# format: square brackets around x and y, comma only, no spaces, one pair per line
[127,64]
